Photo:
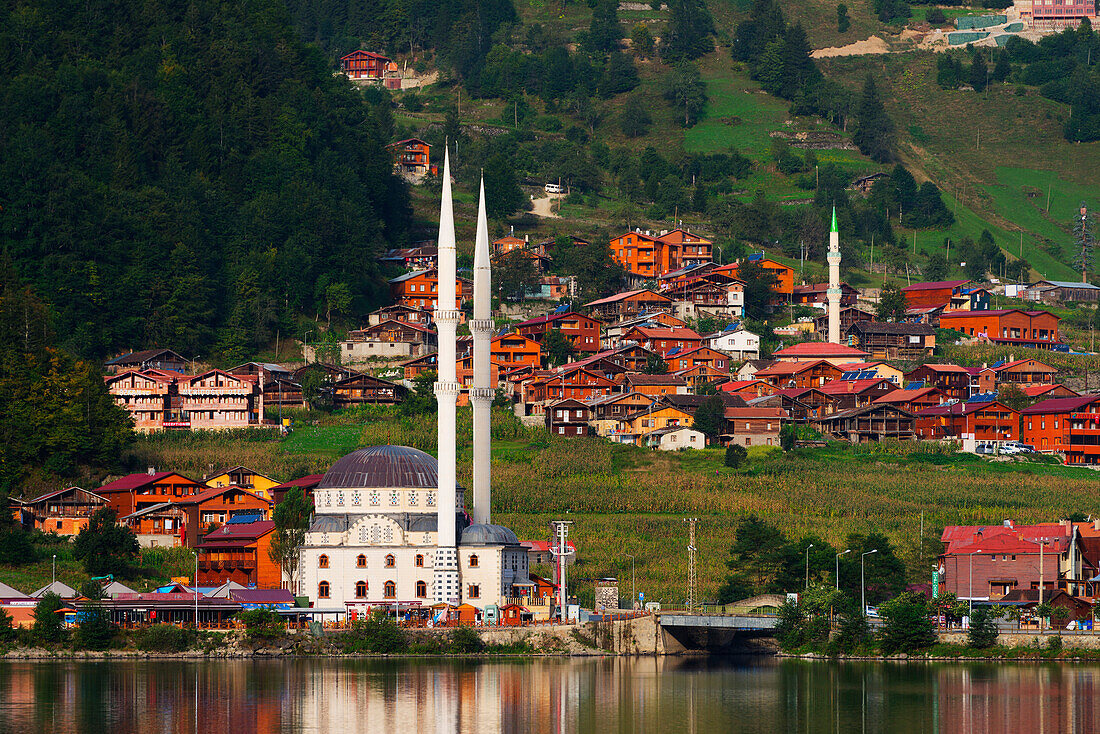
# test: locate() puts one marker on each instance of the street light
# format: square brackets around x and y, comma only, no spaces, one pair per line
[862,580]
[838,555]
[53,574]
[970,591]
[633,590]
[195,586]
[811,545]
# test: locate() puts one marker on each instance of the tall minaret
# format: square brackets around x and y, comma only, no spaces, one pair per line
[446,587]
[833,294]
[481,393]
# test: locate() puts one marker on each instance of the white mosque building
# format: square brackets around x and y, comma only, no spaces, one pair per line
[390,524]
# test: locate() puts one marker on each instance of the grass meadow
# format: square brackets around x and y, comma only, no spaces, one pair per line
[627,501]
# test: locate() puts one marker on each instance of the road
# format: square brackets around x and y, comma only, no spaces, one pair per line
[541,207]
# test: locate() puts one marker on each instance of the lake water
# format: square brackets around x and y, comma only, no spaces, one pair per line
[575,696]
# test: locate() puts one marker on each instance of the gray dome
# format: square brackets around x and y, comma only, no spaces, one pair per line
[488,535]
[383,467]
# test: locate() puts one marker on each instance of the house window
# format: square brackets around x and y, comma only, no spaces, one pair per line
[389,590]
[361,561]
[473,591]
[322,561]
[473,562]
[361,590]
[421,590]
[390,560]
[323,590]
[420,560]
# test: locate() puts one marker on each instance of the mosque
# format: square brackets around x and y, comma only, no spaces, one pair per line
[390,523]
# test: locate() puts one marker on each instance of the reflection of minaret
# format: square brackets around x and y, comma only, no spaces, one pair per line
[446,588]
[481,393]
[833,294]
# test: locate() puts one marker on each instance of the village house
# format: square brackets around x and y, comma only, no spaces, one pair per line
[815,295]
[218,506]
[605,412]
[674,438]
[948,294]
[1010,326]
[848,394]
[912,401]
[581,385]
[418,289]
[753,425]
[148,359]
[747,389]
[817,351]
[1068,426]
[701,375]
[549,288]
[873,370]
[412,156]
[1016,372]
[645,256]
[63,511]
[870,423]
[367,66]
[864,184]
[388,339]
[903,341]
[613,333]
[666,341]
[926,315]
[421,257]
[848,316]
[736,341]
[982,422]
[146,397]
[632,428]
[706,356]
[217,400]
[1045,392]
[653,385]
[136,491]
[582,331]
[239,552]
[627,305]
[1063,291]
[161,525]
[813,373]
[509,243]
[782,288]
[950,379]
[306,484]
[513,350]
[366,390]
[264,372]
[245,478]
[567,418]
[402,313]
[748,369]
[801,404]
[718,296]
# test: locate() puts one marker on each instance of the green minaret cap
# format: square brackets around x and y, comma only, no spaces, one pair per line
[834,229]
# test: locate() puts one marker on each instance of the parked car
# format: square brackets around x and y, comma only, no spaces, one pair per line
[1015,447]
[552,188]
[984,448]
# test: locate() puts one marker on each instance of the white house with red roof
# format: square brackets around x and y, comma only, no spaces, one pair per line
[835,354]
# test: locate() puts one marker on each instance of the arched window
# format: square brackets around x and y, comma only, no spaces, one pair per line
[473,561]
[390,560]
[361,561]
[361,590]
[389,590]
[421,590]
[420,559]
[323,590]
[322,561]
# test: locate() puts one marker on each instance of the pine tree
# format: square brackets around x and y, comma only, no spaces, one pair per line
[874,129]
[979,73]
[1084,238]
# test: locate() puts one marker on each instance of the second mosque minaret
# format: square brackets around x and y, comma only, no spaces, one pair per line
[832,295]
[482,392]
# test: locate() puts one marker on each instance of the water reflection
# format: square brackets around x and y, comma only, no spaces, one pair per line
[570,696]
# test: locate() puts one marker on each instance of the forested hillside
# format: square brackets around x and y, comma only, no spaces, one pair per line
[186,174]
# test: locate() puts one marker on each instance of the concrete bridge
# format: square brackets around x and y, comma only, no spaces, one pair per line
[716,633]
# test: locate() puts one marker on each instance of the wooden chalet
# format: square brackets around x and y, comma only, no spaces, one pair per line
[1063,291]
[633,427]
[418,289]
[402,313]
[582,331]
[653,385]
[307,484]
[747,389]
[239,552]
[945,293]
[664,341]
[581,385]
[366,390]
[702,374]
[815,295]
[617,406]
[412,156]
[163,524]
[412,258]
[395,330]
[567,418]
[287,393]
[875,370]
[848,316]
[1016,372]
[136,491]
[753,425]
[984,422]
[847,394]
[613,333]
[363,65]
[683,360]
[950,379]
[816,373]
[245,478]
[147,359]
[868,424]
[413,368]
[801,404]
[1046,392]
[218,506]
[913,401]
[906,341]
[628,304]
[63,511]
[263,372]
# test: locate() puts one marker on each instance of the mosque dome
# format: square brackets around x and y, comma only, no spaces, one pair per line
[383,467]
[488,535]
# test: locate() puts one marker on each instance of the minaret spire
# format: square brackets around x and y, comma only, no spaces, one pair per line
[446,586]
[832,295]
[481,393]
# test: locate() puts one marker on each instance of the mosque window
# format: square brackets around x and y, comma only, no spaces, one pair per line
[473,562]
[387,535]
[412,499]
[361,590]
[361,561]
[375,498]
[356,498]
[389,590]
[322,561]
[339,499]
[473,591]
[420,560]
[323,590]
[421,590]
[390,561]
[395,498]
[431,499]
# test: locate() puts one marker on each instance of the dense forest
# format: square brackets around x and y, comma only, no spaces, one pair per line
[186,174]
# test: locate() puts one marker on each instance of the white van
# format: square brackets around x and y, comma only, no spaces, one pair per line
[554,188]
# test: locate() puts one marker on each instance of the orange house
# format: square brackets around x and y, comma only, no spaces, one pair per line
[748,389]
[239,552]
[719,361]
[664,340]
[514,350]
[627,304]
[983,422]
[784,276]
[361,64]
[138,491]
[1020,372]
[582,331]
[939,293]
[1038,329]
[1069,426]
[645,256]
[507,244]
[412,155]
[654,384]
[581,385]
[64,511]
[419,289]
[799,374]
[219,506]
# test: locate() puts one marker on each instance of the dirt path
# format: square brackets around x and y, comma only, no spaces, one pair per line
[873,45]
[543,206]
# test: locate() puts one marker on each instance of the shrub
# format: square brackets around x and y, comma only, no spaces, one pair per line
[376,634]
[906,624]
[936,17]
[164,638]
[7,627]
[95,630]
[466,640]
[1054,644]
[736,456]
[983,629]
[262,623]
[48,625]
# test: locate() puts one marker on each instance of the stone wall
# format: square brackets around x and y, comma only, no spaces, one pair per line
[1085,640]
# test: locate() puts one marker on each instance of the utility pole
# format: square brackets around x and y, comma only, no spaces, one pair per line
[561,531]
[691,561]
